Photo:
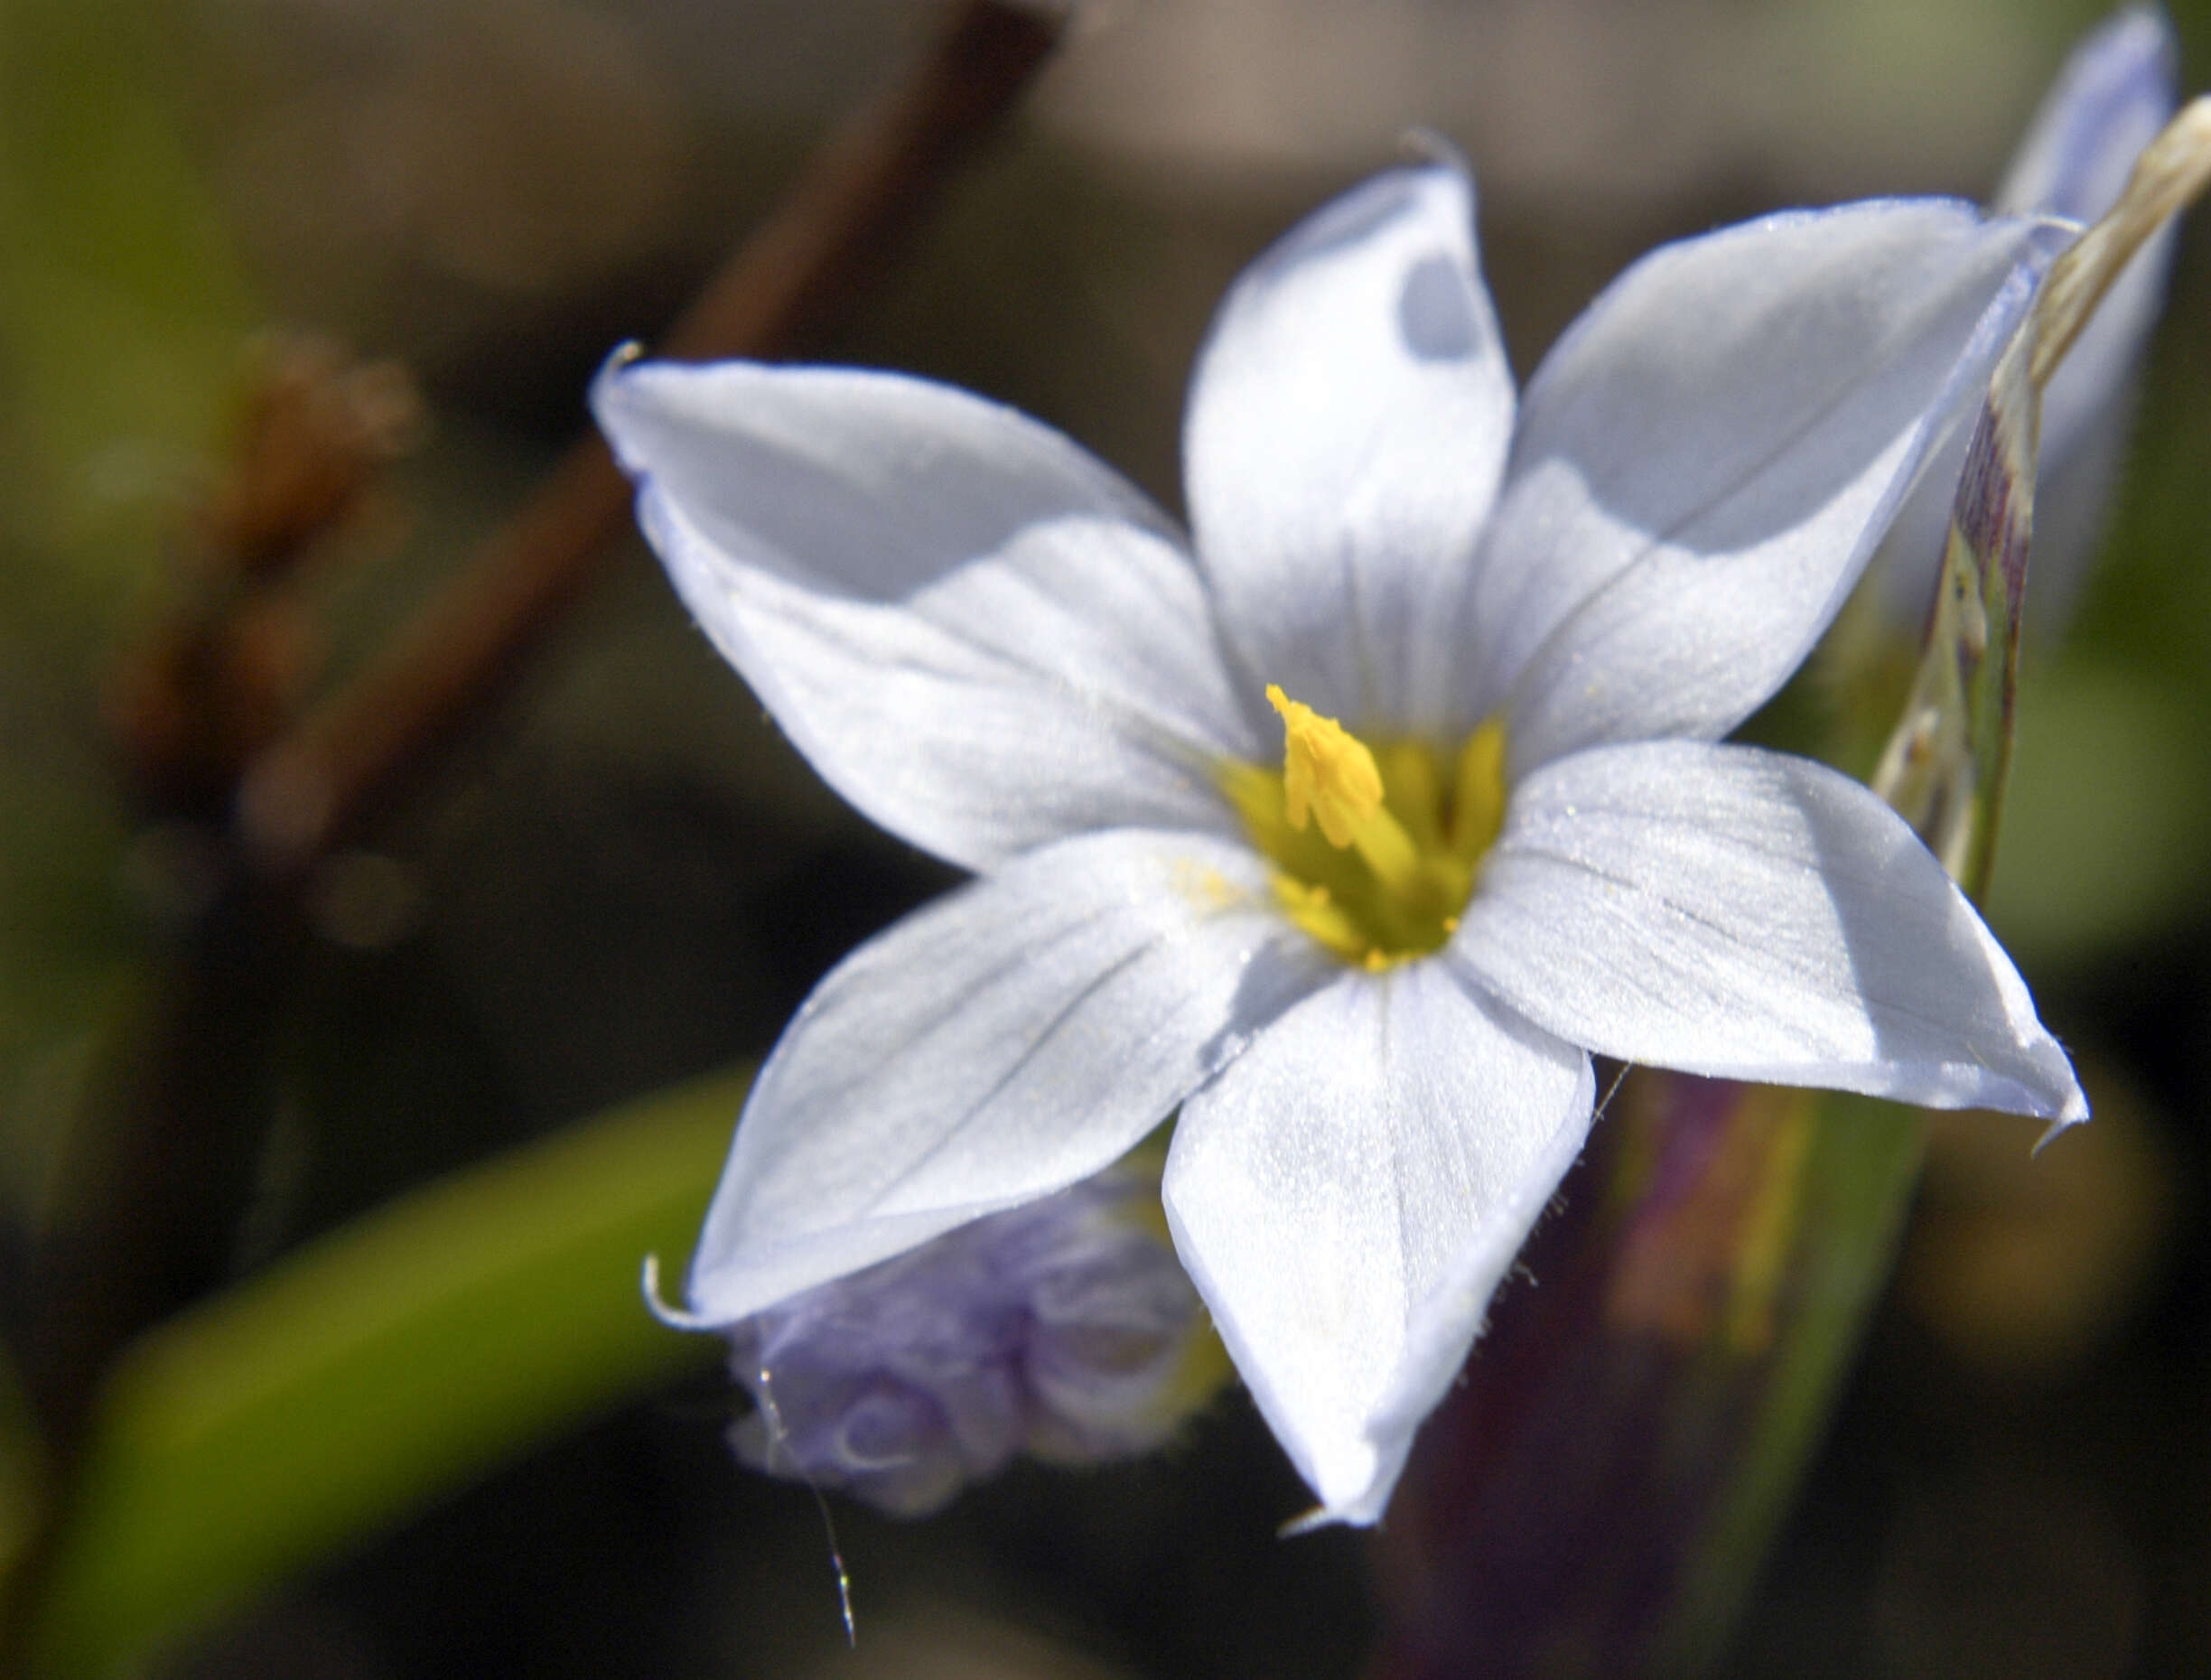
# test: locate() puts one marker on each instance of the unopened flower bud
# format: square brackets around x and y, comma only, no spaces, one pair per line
[1065,1328]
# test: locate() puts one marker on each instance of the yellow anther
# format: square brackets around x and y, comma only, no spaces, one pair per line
[1326,770]
[1403,826]
[1314,909]
[1477,806]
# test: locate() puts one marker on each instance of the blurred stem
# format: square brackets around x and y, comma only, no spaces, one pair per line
[1858,1194]
[799,271]
[1597,1495]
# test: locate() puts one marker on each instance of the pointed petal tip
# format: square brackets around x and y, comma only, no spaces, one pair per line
[2114,91]
[674,1317]
[1363,1512]
[2036,1082]
[2065,1123]
[1429,148]
[1355,1492]
[2072,1108]
[2149,31]
[606,398]
[2068,1104]
[2132,57]
[619,360]
[1351,1496]
[2049,1088]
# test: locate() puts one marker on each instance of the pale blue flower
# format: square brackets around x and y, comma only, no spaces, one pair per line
[1541,616]
[2115,92]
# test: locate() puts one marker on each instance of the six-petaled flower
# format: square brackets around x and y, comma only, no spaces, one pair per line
[1345,828]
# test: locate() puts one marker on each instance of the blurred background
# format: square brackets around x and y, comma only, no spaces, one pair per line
[617,877]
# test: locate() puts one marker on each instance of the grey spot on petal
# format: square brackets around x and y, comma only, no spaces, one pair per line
[1435,310]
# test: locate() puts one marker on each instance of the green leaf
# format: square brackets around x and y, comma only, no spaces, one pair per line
[397,1357]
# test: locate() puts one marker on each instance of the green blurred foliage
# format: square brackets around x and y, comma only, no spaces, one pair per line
[122,306]
[122,311]
[2109,817]
[409,1351]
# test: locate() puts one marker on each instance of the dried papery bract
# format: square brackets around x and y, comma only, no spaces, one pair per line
[1946,766]
[2115,93]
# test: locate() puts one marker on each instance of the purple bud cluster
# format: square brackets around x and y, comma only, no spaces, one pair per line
[1063,1328]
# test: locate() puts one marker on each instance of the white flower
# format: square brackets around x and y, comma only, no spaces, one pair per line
[1376,1026]
[2115,92]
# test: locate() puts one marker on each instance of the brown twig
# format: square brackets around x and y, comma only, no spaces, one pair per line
[796,273]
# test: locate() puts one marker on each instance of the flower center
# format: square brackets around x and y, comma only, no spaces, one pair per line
[1374,847]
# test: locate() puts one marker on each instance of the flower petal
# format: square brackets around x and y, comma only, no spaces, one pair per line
[1731,911]
[1707,458]
[980,636]
[1347,424]
[2116,91]
[1348,1195]
[2108,102]
[997,1046]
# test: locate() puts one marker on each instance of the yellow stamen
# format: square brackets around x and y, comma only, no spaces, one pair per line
[1477,811]
[1313,909]
[1325,768]
[1329,772]
[1382,877]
